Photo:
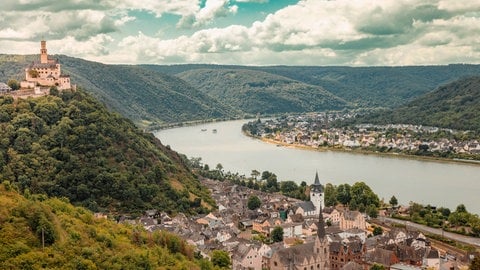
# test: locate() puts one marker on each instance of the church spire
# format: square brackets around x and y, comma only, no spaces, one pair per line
[317,181]
[316,184]
[321,225]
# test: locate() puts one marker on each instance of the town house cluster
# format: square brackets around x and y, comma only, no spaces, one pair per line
[308,243]
[397,137]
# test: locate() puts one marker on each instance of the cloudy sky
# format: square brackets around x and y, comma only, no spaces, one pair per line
[247,32]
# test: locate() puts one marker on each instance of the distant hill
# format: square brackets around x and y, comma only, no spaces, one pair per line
[71,146]
[455,105]
[142,95]
[74,239]
[154,94]
[386,87]
[253,91]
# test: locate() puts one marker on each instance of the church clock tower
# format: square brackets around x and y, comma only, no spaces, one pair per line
[317,195]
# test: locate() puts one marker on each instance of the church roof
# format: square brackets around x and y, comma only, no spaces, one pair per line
[307,206]
[296,254]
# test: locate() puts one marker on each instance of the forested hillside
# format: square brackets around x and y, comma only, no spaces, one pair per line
[74,239]
[71,146]
[386,87]
[144,96]
[455,105]
[153,94]
[260,92]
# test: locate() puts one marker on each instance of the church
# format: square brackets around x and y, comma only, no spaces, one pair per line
[46,73]
[312,255]
[317,201]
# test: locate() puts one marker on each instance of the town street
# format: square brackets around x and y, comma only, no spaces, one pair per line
[456,237]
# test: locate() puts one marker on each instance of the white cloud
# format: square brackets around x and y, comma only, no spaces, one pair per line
[311,32]
[93,47]
[213,9]
[251,1]
[178,7]
[9,33]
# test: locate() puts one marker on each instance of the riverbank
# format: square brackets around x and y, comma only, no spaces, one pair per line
[364,152]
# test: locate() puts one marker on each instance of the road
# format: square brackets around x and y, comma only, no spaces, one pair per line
[456,237]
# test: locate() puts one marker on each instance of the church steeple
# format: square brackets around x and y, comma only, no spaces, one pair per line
[317,187]
[317,194]
[321,225]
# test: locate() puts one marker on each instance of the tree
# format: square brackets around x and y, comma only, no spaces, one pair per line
[219,167]
[288,187]
[33,73]
[461,208]
[372,211]
[330,195]
[221,258]
[362,194]
[343,194]
[14,84]
[475,264]
[393,201]
[54,91]
[376,266]
[255,174]
[377,231]
[277,234]
[253,202]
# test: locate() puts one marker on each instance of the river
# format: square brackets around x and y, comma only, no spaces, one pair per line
[427,182]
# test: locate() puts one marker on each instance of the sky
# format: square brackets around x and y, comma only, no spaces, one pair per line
[247,32]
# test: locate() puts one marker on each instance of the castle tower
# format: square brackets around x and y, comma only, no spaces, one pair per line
[43,52]
[317,195]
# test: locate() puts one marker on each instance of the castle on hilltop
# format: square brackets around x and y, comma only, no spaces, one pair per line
[46,73]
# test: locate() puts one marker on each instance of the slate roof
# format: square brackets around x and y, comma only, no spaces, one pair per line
[297,253]
[352,266]
[433,254]
[379,255]
[43,65]
[306,206]
[355,247]
[351,215]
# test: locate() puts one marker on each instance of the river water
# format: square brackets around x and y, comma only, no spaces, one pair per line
[426,182]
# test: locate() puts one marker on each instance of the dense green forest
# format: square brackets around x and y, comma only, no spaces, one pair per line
[386,87]
[74,239]
[144,96]
[454,105]
[260,92]
[70,145]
